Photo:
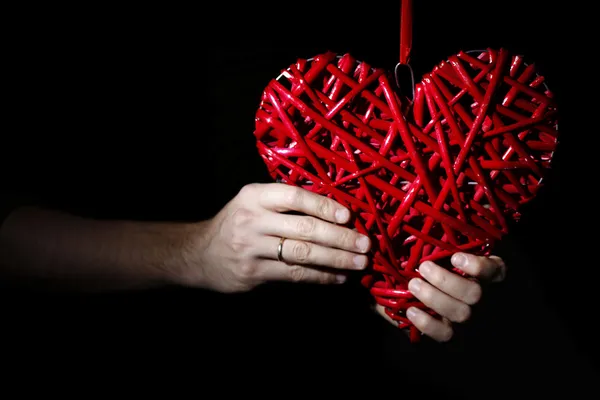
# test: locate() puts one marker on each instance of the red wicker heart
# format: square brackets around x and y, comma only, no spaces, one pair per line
[426,178]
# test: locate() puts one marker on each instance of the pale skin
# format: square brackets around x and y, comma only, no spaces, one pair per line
[235,251]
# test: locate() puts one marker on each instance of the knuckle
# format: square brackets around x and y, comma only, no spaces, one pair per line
[238,234]
[476,266]
[301,251]
[248,189]
[437,277]
[446,334]
[462,314]
[247,271]
[326,278]
[347,239]
[323,207]
[424,323]
[306,226]
[241,217]
[297,273]
[342,261]
[239,242]
[474,295]
[293,197]
[426,294]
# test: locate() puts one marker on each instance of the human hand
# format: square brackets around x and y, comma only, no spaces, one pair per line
[238,248]
[450,295]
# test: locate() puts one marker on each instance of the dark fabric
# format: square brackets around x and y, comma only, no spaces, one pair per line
[148,114]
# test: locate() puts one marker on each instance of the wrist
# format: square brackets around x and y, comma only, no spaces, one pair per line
[183,258]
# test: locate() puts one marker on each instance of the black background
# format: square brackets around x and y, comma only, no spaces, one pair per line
[147,113]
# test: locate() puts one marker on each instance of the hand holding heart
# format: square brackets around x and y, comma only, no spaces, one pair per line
[450,295]
[239,247]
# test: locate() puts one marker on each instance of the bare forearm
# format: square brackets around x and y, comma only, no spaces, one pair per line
[60,250]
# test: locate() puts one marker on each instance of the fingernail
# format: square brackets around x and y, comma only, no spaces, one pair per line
[411,313]
[459,260]
[359,262]
[362,243]
[342,215]
[340,278]
[414,285]
[425,268]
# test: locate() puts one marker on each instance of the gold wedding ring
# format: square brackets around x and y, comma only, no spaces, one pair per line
[280,249]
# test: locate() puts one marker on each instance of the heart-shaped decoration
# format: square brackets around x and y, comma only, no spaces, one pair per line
[426,177]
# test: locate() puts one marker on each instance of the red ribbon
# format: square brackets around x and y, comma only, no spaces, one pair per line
[405,30]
